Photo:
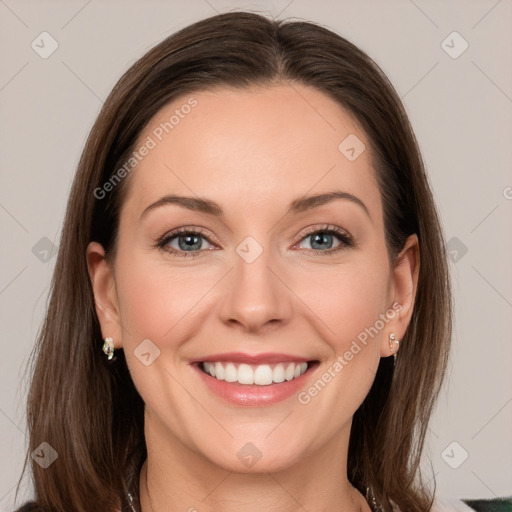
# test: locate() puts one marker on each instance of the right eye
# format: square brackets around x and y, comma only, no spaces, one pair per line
[189,242]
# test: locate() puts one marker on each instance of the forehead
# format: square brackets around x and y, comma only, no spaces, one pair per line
[258,148]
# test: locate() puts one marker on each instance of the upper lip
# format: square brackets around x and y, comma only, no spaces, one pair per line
[240,357]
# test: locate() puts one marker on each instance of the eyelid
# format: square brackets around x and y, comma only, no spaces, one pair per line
[323,227]
[189,229]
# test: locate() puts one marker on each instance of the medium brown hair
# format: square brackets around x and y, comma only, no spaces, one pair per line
[89,411]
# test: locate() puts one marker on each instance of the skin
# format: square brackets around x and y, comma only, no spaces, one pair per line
[253,152]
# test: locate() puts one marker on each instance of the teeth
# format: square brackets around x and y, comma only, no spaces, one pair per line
[219,371]
[230,373]
[245,374]
[278,373]
[261,375]
[289,372]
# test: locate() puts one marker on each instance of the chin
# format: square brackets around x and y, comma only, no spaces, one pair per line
[254,458]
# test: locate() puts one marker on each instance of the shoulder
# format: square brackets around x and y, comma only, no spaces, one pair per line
[30,506]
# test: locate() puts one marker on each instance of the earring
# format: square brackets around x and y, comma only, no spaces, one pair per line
[393,340]
[108,347]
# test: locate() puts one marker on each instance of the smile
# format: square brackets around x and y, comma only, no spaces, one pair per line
[260,375]
[255,381]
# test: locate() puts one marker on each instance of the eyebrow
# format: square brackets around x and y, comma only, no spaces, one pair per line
[210,207]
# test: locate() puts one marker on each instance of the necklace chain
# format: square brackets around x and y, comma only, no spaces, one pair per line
[130,502]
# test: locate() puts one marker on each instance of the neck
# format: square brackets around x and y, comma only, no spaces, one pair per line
[177,478]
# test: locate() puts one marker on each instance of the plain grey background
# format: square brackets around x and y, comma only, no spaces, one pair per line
[459,100]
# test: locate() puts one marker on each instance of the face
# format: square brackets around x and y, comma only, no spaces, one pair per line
[256,280]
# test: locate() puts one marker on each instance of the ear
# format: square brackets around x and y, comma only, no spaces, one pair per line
[404,283]
[105,295]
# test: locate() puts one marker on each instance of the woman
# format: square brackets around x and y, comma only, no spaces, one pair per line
[251,305]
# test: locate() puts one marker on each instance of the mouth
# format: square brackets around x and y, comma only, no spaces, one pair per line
[266,374]
[255,380]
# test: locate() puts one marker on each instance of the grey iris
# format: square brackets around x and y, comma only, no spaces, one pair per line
[191,242]
[320,238]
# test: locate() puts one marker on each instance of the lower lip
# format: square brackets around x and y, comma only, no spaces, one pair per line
[253,395]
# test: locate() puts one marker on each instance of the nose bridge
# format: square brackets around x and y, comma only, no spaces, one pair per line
[256,297]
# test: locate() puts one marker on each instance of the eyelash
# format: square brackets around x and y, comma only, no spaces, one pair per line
[346,240]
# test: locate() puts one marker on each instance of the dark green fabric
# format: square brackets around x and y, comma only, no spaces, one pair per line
[497,505]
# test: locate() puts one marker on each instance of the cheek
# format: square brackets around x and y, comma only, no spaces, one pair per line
[351,301]
[157,304]
[153,300]
[347,298]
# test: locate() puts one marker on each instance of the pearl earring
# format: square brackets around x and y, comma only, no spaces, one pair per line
[108,347]
[392,341]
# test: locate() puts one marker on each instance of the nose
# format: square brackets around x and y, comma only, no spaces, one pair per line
[257,298]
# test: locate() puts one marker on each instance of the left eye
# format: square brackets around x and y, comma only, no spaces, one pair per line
[322,241]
